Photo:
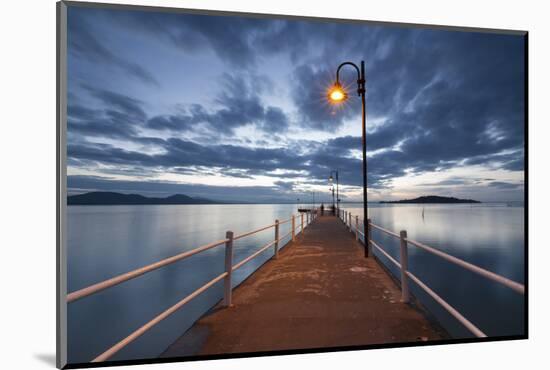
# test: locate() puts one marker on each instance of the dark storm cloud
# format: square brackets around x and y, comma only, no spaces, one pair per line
[430,85]
[513,161]
[100,127]
[120,116]
[341,146]
[275,120]
[505,185]
[121,104]
[246,162]
[445,98]
[82,113]
[84,44]
[181,153]
[515,165]
[335,154]
[435,100]
[231,38]
[171,122]
[107,154]
[385,137]
[286,186]
[239,104]
[403,68]
[230,160]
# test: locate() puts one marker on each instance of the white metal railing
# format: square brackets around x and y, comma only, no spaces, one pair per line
[346,217]
[226,275]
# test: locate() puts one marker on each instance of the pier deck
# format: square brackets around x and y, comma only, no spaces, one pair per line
[320,292]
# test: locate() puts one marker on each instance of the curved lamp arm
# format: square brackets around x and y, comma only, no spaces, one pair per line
[360,75]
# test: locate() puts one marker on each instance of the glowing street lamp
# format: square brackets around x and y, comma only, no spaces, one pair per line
[337,94]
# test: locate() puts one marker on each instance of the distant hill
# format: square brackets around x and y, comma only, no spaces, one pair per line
[111,198]
[432,199]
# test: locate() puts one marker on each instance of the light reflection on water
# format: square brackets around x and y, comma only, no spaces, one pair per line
[488,235]
[104,241]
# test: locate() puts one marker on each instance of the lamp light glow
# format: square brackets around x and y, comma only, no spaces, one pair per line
[337,94]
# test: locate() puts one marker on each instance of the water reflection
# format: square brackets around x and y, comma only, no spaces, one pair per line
[488,235]
[104,241]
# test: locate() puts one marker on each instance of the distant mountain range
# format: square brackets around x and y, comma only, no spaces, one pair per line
[111,198]
[432,199]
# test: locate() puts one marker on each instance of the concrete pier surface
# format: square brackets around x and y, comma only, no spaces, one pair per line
[320,292]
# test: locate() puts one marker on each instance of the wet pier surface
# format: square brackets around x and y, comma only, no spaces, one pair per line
[320,292]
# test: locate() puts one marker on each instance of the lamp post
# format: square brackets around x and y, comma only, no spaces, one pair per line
[337,94]
[331,189]
[331,179]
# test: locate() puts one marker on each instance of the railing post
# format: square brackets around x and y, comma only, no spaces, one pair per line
[356,227]
[302,216]
[276,245]
[368,237]
[228,269]
[293,228]
[307,218]
[349,219]
[404,267]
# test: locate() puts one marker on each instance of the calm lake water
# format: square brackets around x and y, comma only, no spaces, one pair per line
[489,235]
[104,241]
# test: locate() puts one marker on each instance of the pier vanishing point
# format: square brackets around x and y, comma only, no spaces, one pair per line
[318,292]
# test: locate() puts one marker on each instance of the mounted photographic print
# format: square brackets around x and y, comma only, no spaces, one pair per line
[234,185]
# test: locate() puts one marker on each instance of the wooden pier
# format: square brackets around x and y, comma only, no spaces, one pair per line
[320,292]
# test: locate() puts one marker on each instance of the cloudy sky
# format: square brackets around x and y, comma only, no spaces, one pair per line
[234,108]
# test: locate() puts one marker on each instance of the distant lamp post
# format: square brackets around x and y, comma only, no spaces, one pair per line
[337,94]
[331,179]
[331,189]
